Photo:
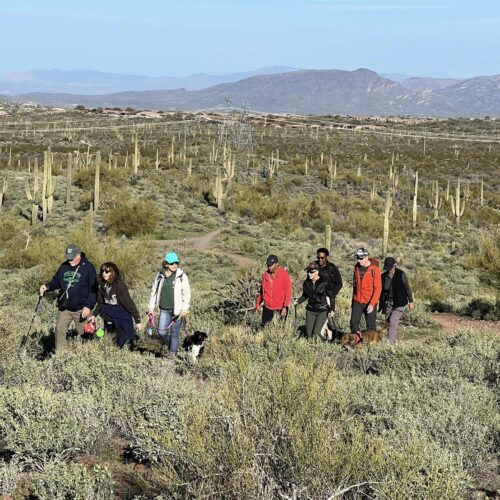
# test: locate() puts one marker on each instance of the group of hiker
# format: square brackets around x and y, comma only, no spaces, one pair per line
[373,290]
[85,294]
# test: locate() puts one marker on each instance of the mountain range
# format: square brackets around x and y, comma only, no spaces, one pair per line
[288,90]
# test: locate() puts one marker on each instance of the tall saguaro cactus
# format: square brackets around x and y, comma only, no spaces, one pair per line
[35,197]
[328,237]
[68,178]
[97,185]
[415,197]
[48,185]
[436,204]
[136,157]
[457,205]
[4,190]
[387,216]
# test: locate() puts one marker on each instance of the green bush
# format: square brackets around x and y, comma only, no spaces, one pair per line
[132,218]
[62,482]
[38,425]
[483,309]
[10,473]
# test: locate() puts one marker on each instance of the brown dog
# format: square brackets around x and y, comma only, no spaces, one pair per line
[358,340]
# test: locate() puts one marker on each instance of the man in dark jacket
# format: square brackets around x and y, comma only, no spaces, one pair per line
[396,295]
[76,280]
[330,274]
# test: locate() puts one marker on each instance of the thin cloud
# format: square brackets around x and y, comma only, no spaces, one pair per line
[367,6]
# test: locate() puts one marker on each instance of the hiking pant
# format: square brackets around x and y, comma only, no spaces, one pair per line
[359,310]
[64,318]
[169,336]
[122,321]
[268,315]
[315,321]
[392,316]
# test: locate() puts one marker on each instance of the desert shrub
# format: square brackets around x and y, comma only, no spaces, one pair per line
[46,250]
[458,415]
[484,256]
[60,482]
[10,473]
[465,355]
[440,306]
[367,223]
[427,286]
[129,256]
[483,309]
[281,421]
[132,218]
[85,178]
[418,317]
[52,425]
[10,227]
[236,299]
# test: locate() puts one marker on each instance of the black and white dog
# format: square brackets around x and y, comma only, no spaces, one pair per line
[194,344]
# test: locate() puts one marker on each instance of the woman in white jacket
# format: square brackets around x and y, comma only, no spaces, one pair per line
[171,294]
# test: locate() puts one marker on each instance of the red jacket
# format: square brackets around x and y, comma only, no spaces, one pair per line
[368,289]
[276,292]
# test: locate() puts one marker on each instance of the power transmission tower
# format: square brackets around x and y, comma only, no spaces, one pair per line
[236,128]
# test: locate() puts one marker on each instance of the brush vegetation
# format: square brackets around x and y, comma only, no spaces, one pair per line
[265,414]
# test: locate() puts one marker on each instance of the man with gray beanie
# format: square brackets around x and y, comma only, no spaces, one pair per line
[76,280]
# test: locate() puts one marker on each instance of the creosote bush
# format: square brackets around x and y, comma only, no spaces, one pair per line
[132,218]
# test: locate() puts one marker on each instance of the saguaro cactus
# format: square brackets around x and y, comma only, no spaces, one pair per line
[48,185]
[136,157]
[387,216]
[436,204]
[35,197]
[415,206]
[457,206]
[4,190]
[97,186]
[218,191]
[328,237]
[68,178]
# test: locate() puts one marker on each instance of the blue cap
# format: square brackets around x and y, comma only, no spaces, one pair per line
[171,258]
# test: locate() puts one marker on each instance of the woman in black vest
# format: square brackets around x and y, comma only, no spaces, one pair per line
[314,290]
[396,295]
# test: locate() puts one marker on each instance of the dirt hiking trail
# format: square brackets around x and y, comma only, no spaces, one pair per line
[453,322]
[205,243]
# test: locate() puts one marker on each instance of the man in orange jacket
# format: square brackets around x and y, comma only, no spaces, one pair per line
[367,287]
[275,291]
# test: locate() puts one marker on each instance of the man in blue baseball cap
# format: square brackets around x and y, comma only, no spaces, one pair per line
[170,293]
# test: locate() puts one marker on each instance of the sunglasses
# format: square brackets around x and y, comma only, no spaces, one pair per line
[312,271]
[173,263]
[105,271]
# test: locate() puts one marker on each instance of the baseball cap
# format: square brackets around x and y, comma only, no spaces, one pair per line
[171,258]
[389,263]
[271,259]
[71,252]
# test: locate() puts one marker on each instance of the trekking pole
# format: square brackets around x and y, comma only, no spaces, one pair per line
[25,338]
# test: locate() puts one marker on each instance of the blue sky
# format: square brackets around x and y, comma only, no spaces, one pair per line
[440,38]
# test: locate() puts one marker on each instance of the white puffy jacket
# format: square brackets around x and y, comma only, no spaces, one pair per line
[182,292]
